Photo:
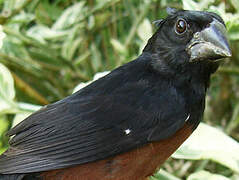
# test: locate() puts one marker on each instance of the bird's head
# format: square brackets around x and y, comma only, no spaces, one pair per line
[186,38]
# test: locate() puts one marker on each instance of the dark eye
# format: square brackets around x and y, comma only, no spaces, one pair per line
[181,26]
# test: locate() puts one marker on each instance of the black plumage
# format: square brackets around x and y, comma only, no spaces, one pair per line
[146,100]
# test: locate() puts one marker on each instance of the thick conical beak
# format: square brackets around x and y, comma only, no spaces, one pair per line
[209,44]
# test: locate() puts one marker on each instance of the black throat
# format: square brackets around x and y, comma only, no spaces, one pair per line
[191,80]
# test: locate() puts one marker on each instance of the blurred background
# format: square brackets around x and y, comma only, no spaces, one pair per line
[50,47]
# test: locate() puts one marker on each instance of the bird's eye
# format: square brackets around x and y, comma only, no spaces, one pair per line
[181,26]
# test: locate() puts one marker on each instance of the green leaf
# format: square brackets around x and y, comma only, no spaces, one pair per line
[70,16]
[118,46]
[205,175]
[96,58]
[144,30]
[8,7]
[23,17]
[28,107]
[3,125]
[43,33]
[197,6]
[13,47]
[235,177]
[235,4]
[7,91]
[71,43]
[19,3]
[2,150]
[163,175]
[190,5]
[210,143]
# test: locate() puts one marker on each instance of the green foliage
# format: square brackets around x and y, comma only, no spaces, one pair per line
[48,47]
[202,175]
[210,143]
[3,128]
[7,91]
[163,175]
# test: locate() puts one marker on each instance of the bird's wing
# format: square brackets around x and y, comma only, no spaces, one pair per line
[85,129]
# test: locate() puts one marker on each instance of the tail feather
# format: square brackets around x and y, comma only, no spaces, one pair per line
[12,177]
[20,177]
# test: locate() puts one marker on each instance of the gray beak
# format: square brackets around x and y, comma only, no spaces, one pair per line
[209,44]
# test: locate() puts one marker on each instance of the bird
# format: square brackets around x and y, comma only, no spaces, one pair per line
[125,125]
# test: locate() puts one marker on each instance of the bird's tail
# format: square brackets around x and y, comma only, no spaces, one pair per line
[11,176]
[31,176]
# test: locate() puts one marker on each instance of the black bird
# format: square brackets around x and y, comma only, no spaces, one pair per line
[126,124]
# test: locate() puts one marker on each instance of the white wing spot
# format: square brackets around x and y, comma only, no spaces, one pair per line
[187,118]
[127,131]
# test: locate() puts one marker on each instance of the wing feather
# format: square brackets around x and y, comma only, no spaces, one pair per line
[84,128]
